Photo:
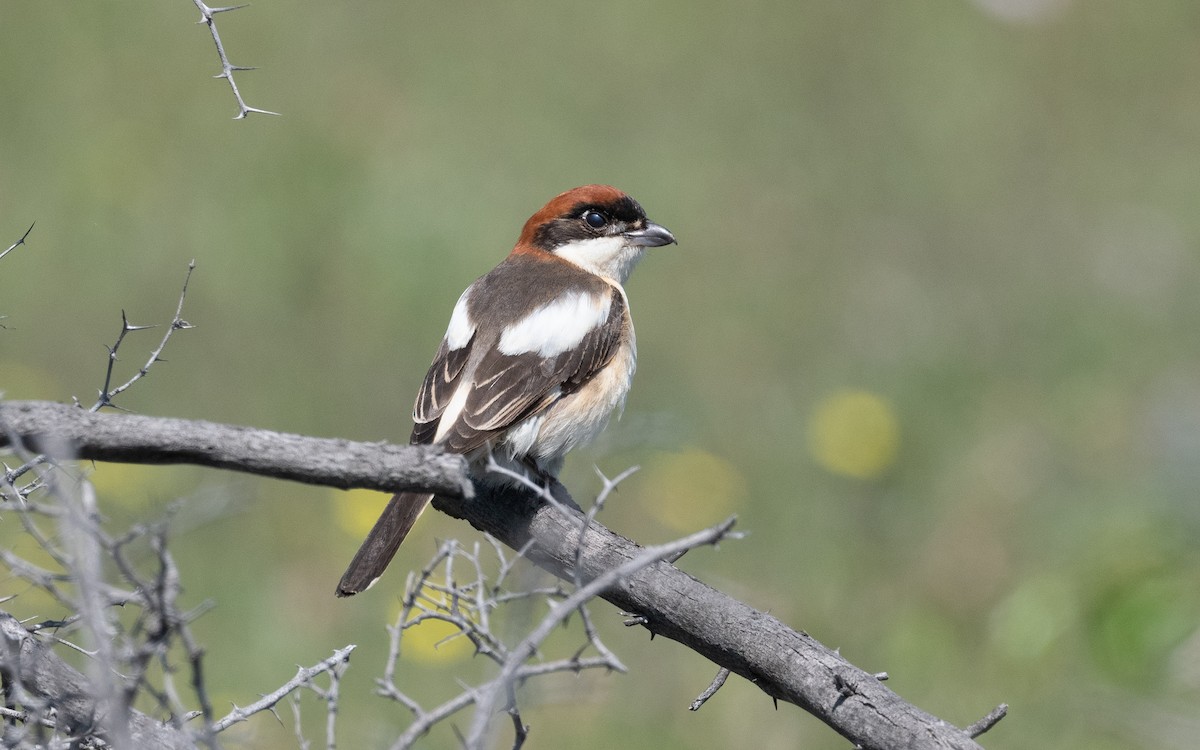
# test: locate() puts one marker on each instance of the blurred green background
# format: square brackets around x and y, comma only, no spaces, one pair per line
[931,329]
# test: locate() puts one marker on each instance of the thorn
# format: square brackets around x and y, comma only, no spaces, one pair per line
[19,242]
[27,231]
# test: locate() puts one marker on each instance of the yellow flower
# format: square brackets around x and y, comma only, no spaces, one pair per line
[431,641]
[854,433]
[356,510]
[692,488]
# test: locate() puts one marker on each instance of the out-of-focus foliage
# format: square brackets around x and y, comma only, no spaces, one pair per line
[976,218]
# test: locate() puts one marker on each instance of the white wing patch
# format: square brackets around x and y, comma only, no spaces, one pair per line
[461,328]
[556,327]
[453,410]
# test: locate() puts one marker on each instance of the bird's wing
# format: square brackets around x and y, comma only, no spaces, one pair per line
[532,363]
[438,388]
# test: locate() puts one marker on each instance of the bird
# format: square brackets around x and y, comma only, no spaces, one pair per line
[537,355]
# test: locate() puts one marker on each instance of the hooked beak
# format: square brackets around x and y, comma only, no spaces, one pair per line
[652,235]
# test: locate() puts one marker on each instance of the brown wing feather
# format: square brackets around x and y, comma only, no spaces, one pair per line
[509,388]
[437,389]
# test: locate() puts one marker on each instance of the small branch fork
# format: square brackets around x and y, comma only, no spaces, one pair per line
[105,397]
[208,18]
[108,392]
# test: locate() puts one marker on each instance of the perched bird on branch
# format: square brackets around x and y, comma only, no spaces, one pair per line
[537,355]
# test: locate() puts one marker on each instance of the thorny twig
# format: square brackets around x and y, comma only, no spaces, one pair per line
[335,666]
[208,17]
[610,486]
[468,605]
[12,247]
[82,550]
[124,650]
[120,653]
[19,242]
[485,704]
[448,602]
[9,491]
[177,323]
[124,653]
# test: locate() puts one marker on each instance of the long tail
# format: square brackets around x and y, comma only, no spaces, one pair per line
[381,544]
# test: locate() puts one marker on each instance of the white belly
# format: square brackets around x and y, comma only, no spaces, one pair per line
[575,419]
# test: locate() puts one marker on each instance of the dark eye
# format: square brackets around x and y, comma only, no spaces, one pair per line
[595,219]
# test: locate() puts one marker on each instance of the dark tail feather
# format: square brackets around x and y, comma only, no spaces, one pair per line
[381,544]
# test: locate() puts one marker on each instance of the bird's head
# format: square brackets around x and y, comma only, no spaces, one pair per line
[596,227]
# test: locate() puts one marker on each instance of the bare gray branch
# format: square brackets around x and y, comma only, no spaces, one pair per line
[786,664]
[67,432]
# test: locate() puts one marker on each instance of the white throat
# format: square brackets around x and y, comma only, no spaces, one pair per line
[610,257]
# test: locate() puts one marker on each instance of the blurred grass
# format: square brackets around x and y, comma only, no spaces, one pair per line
[987,225]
